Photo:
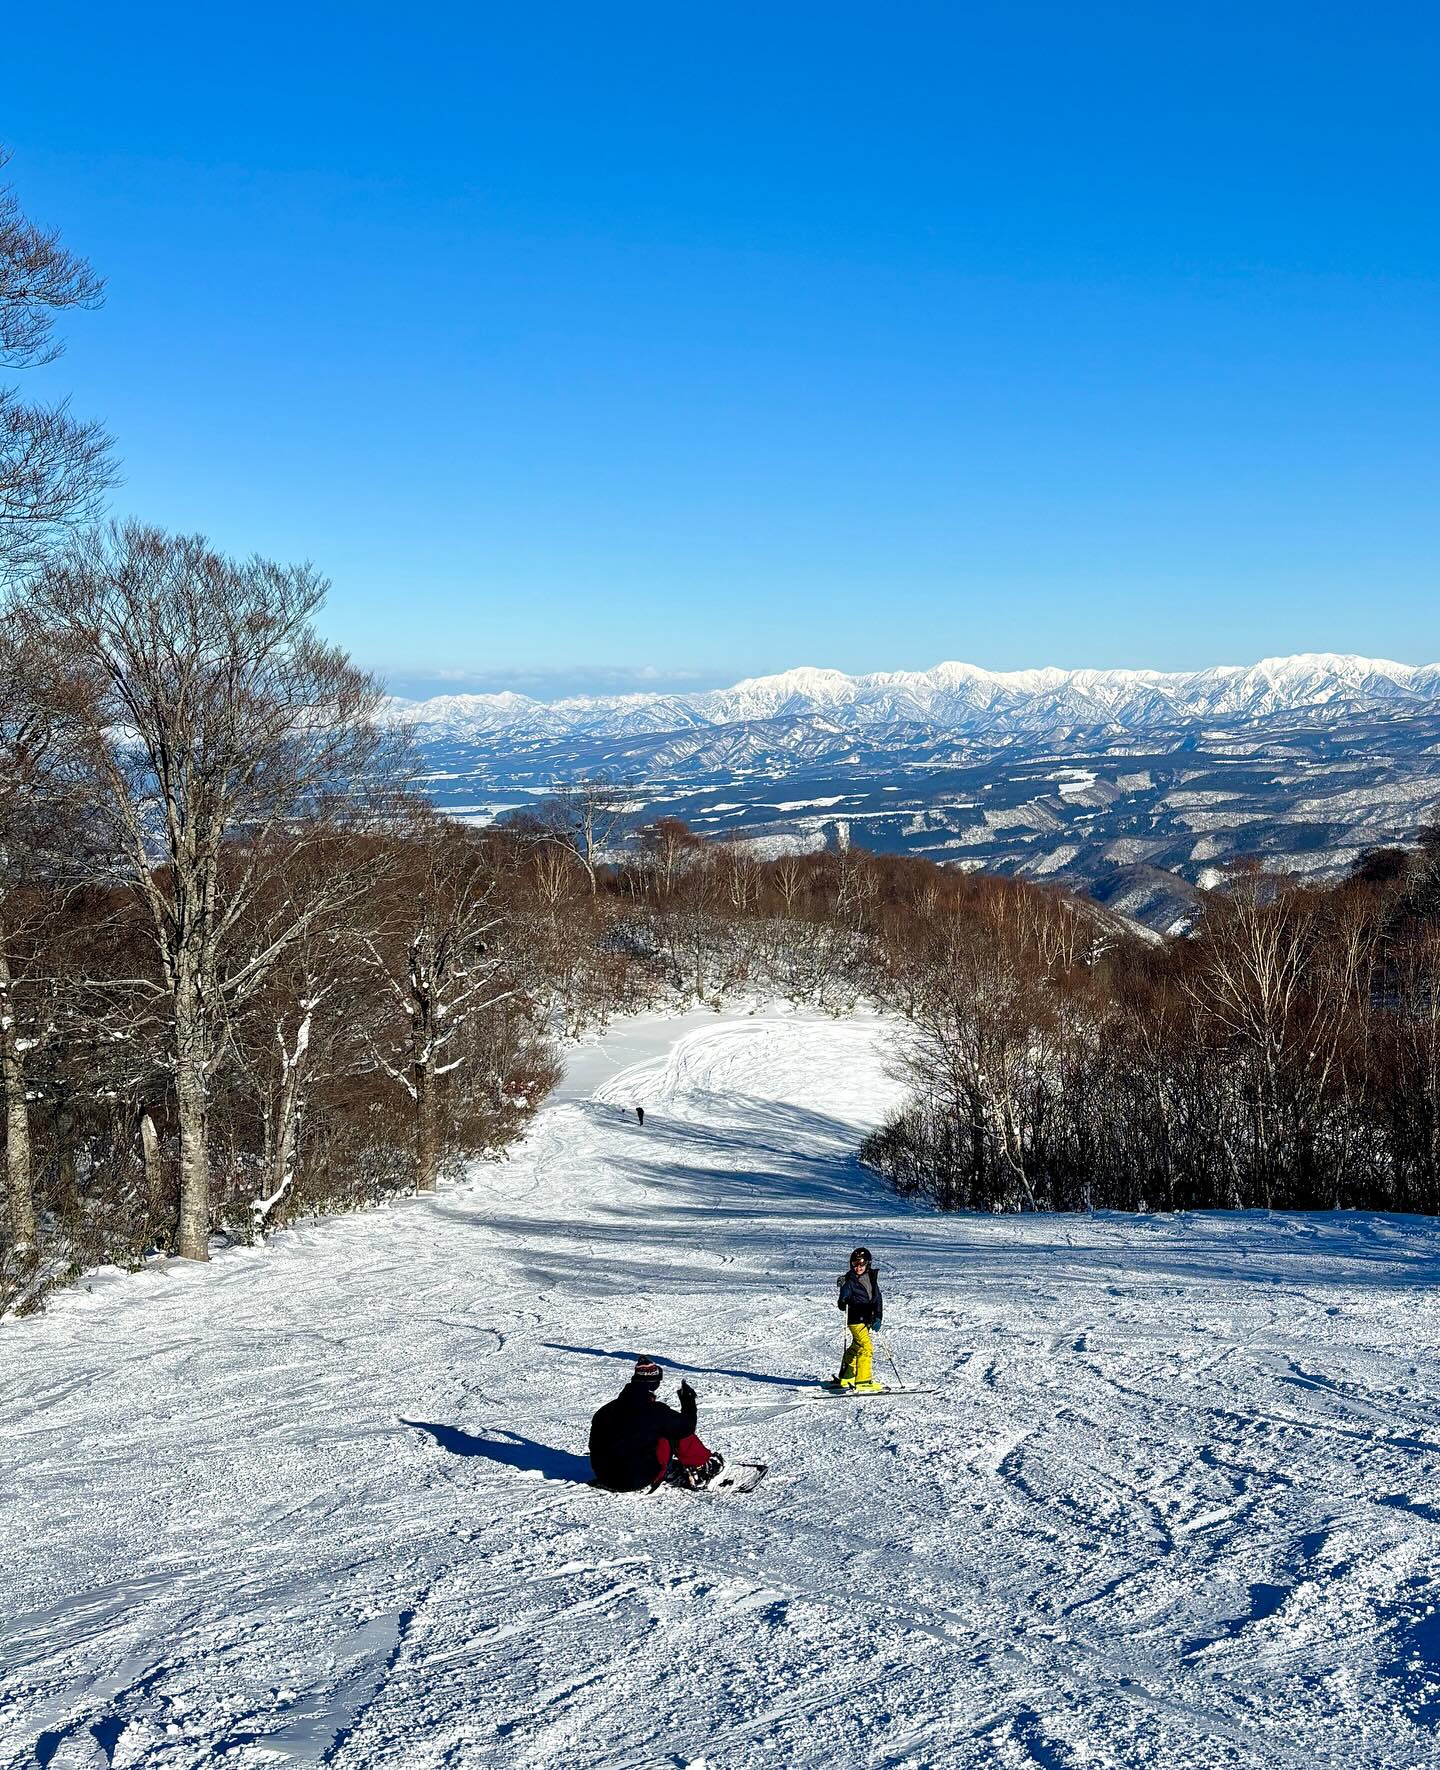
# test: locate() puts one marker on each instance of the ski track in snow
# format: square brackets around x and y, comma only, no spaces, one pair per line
[1176,1504]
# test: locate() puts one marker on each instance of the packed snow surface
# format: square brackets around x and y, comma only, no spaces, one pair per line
[1176,1502]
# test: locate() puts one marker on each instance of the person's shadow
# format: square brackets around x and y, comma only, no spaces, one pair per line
[693,1370]
[510,1450]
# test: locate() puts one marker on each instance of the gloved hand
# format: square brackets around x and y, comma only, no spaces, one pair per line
[686,1392]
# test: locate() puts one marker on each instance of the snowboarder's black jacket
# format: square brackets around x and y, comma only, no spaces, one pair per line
[624,1433]
[857,1303]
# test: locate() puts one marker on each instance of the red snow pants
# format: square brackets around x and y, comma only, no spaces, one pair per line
[690,1453]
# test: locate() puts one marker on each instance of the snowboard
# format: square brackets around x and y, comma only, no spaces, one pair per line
[733,1480]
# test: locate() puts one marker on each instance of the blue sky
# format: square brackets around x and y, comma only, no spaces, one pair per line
[640,344]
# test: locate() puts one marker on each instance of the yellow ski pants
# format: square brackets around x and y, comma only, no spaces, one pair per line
[856,1365]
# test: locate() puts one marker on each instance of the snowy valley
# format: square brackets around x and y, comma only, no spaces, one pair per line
[1176,1502]
[1131,785]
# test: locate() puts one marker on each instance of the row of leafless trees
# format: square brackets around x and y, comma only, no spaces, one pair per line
[1285,1054]
[228,935]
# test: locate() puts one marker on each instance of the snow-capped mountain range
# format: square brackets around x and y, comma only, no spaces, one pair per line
[952,697]
[1136,785]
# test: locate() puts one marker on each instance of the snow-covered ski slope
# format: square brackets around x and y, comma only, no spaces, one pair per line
[1177,1503]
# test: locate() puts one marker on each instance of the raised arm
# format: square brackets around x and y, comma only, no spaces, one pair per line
[687,1407]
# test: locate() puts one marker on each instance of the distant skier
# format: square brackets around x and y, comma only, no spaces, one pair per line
[860,1299]
[636,1441]
[640,1114]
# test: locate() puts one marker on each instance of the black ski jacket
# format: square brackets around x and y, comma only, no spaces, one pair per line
[858,1306]
[625,1432]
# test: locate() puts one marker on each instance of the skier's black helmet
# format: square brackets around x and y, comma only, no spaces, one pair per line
[861,1254]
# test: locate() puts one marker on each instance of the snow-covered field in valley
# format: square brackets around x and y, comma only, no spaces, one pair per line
[1176,1502]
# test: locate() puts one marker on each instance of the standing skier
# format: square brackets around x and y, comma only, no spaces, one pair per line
[864,1310]
[637,1441]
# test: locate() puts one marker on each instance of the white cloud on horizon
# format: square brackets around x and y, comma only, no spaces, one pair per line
[421,681]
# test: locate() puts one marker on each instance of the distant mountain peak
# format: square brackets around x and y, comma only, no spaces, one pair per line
[804,679]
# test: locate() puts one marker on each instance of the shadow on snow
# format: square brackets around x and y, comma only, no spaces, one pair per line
[728,1188]
[510,1450]
[693,1370]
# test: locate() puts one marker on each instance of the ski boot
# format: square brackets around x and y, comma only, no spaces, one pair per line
[706,1473]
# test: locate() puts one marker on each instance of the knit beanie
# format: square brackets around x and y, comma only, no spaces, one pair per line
[647,1374]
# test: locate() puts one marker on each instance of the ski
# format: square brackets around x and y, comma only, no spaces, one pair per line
[825,1391]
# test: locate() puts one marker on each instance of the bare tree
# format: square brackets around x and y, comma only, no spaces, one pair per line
[40,853]
[17,1040]
[553,871]
[53,468]
[21,736]
[742,872]
[788,873]
[1281,974]
[856,883]
[440,961]
[666,848]
[994,1040]
[585,817]
[304,1025]
[215,732]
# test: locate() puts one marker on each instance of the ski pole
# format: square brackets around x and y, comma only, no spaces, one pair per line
[890,1360]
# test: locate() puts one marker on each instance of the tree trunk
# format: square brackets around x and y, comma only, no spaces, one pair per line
[282,1161]
[287,1128]
[427,1149]
[64,1124]
[192,1110]
[19,1183]
[282,1165]
[150,1146]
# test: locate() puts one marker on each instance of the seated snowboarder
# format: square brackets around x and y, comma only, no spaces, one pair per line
[864,1310]
[636,1441]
